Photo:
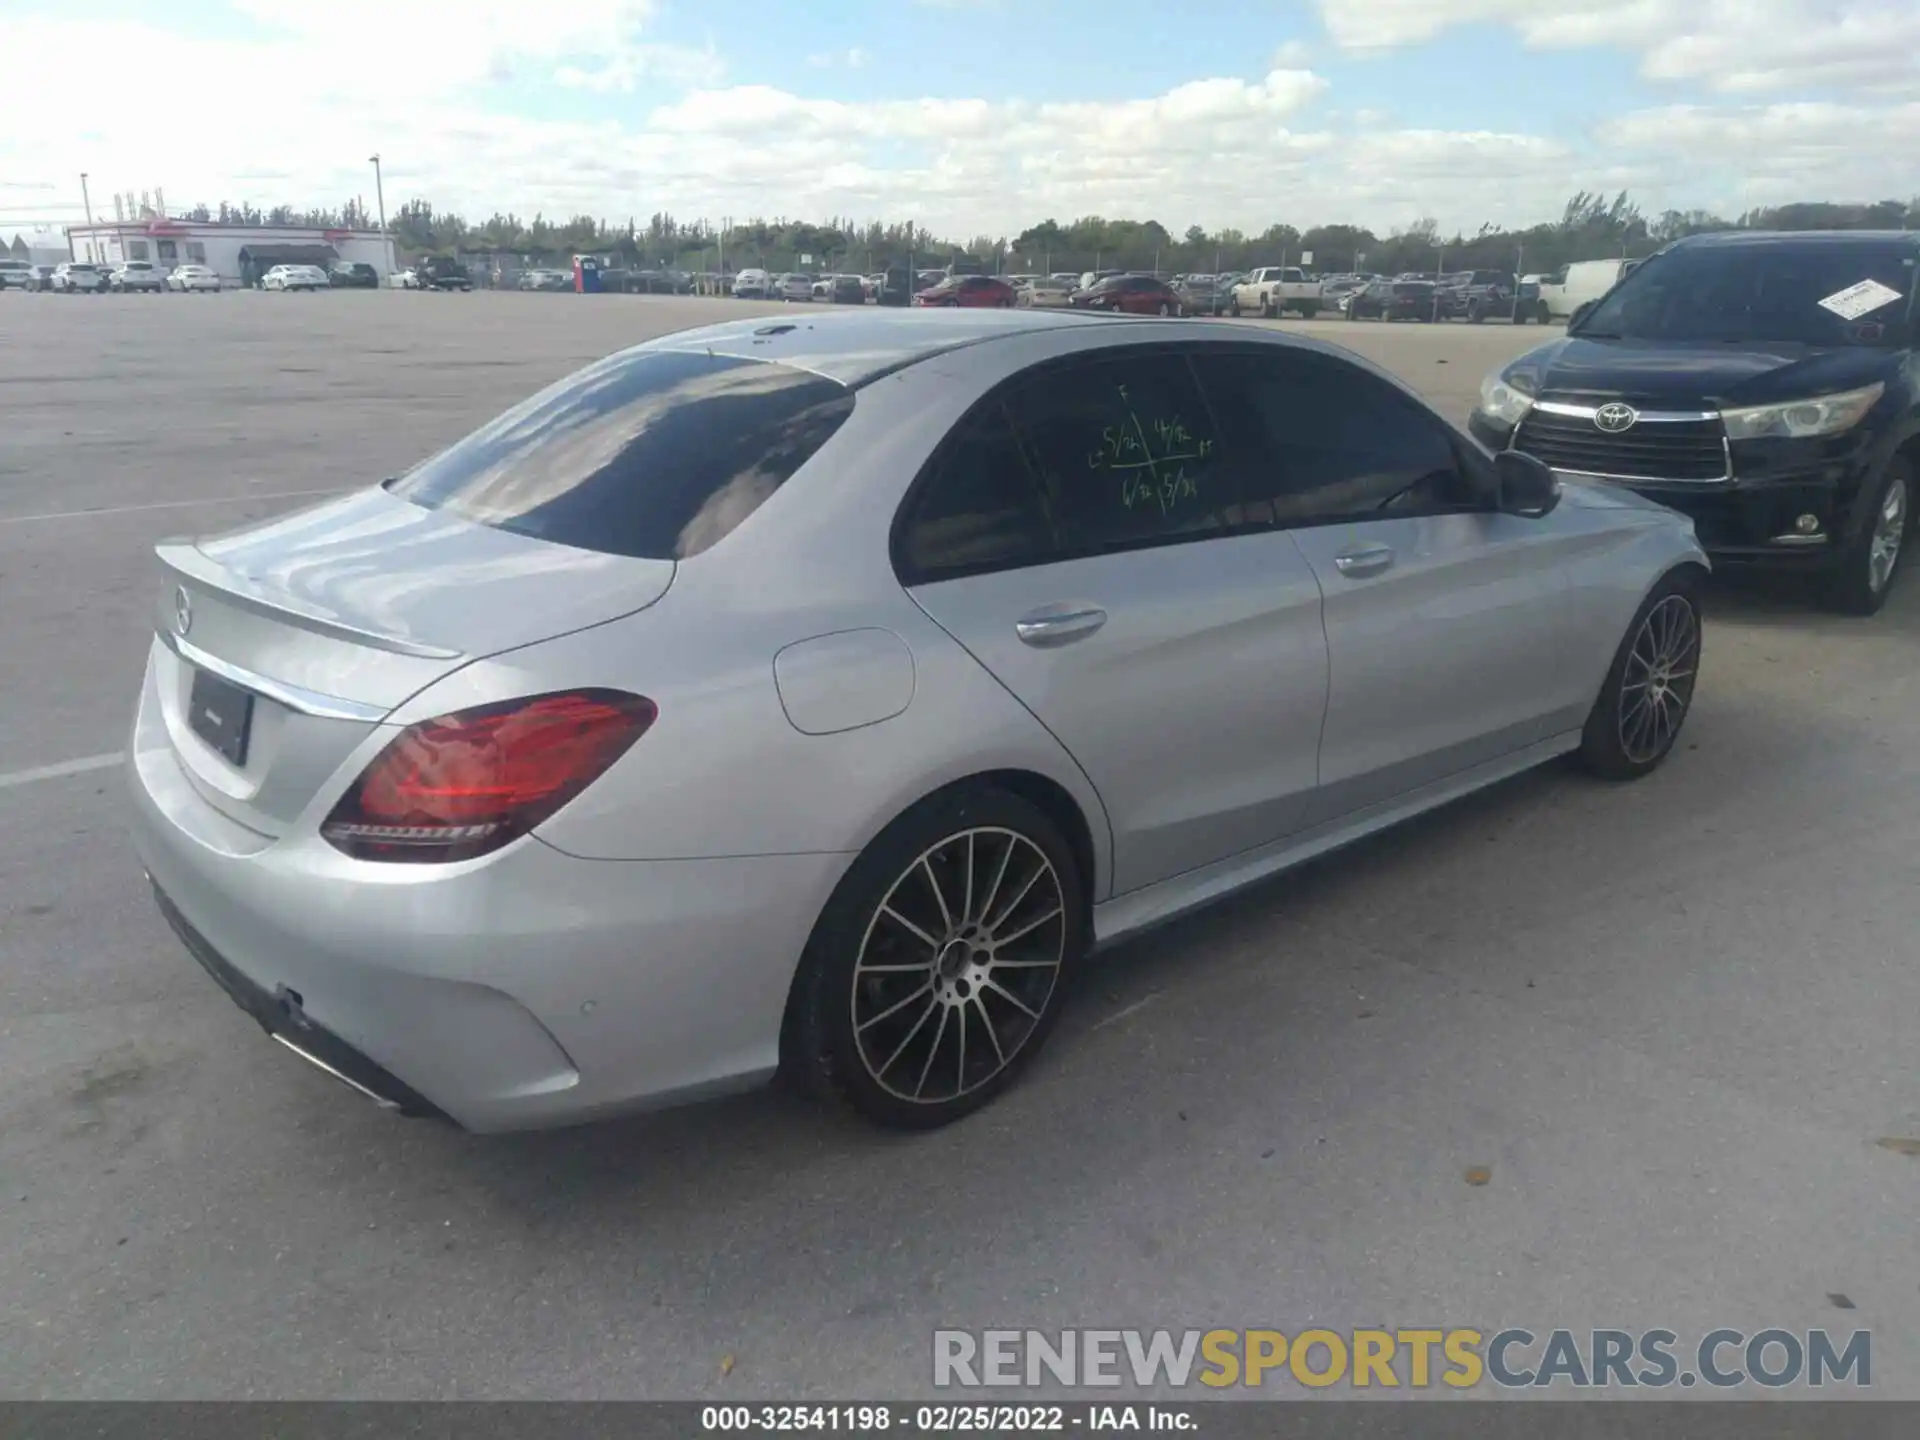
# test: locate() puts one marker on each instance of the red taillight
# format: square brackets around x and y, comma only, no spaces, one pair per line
[461,785]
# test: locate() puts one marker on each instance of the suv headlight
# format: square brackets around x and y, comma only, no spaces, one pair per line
[1803,419]
[1504,400]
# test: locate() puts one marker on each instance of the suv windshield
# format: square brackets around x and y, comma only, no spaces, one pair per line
[656,454]
[1766,291]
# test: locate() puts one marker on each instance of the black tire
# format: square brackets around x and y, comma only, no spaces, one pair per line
[1309,310]
[1476,314]
[838,1024]
[1233,309]
[1543,314]
[1267,312]
[1649,688]
[1859,586]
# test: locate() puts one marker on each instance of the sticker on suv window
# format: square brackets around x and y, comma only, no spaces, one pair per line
[1862,299]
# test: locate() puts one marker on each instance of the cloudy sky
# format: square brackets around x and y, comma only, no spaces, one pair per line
[966,115]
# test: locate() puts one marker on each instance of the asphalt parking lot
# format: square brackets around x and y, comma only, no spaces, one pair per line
[1673,1020]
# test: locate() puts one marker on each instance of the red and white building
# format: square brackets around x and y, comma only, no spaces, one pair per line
[240,254]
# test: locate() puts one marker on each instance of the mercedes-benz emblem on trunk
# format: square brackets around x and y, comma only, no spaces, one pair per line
[182,611]
[1615,417]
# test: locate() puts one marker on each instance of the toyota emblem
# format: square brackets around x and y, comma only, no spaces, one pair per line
[182,611]
[1615,417]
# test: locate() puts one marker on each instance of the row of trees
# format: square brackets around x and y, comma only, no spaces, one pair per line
[1590,226]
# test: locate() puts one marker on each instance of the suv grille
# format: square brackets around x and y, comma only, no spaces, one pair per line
[1650,450]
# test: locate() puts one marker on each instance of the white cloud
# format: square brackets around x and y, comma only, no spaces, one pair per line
[1734,46]
[832,59]
[1292,55]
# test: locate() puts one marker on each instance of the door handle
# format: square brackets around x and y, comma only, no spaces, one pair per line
[1366,559]
[1045,628]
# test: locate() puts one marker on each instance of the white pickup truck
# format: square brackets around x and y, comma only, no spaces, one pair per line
[1273,290]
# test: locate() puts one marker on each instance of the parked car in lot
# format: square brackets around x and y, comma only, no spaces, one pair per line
[846,290]
[1393,300]
[1043,291]
[1571,286]
[545,650]
[972,292]
[74,277]
[1767,386]
[895,287]
[545,280]
[39,277]
[407,279]
[792,287]
[16,275]
[190,278]
[134,276]
[295,277]
[441,272]
[752,284]
[1473,295]
[1130,295]
[352,275]
[1275,289]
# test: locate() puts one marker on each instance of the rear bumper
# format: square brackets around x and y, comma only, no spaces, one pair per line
[525,989]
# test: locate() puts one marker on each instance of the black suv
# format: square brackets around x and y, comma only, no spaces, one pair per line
[1476,294]
[352,275]
[1765,385]
[442,272]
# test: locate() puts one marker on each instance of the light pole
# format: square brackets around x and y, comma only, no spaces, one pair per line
[380,199]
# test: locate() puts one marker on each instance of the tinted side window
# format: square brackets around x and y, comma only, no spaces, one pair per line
[656,454]
[981,509]
[1125,452]
[1317,439]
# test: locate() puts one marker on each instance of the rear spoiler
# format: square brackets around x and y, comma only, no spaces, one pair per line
[185,561]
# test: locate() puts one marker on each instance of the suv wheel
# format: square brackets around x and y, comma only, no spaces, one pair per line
[1871,560]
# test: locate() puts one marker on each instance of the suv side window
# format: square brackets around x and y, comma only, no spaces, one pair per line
[1319,440]
[1125,452]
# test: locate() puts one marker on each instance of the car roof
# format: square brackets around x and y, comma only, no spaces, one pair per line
[855,348]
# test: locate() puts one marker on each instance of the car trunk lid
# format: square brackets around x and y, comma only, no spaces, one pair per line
[325,620]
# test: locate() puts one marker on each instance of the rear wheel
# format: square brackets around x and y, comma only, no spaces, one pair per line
[1649,689]
[939,967]
[1309,310]
[1267,312]
[1871,560]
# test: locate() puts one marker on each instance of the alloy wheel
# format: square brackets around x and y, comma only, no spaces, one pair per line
[958,965]
[1657,685]
[1889,530]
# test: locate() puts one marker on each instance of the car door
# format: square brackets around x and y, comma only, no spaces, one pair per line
[1079,535]
[1446,627]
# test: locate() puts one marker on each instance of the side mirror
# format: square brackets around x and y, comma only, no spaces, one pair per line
[1580,314]
[1526,486]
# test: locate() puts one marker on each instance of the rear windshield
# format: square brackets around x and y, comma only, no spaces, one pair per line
[1413,287]
[1811,294]
[656,454]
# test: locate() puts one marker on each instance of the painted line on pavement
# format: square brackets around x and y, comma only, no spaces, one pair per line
[168,505]
[11,778]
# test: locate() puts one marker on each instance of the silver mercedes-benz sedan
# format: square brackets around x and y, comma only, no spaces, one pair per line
[815,696]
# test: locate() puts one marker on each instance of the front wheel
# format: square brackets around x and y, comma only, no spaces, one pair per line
[1649,689]
[1233,309]
[940,965]
[1871,560]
